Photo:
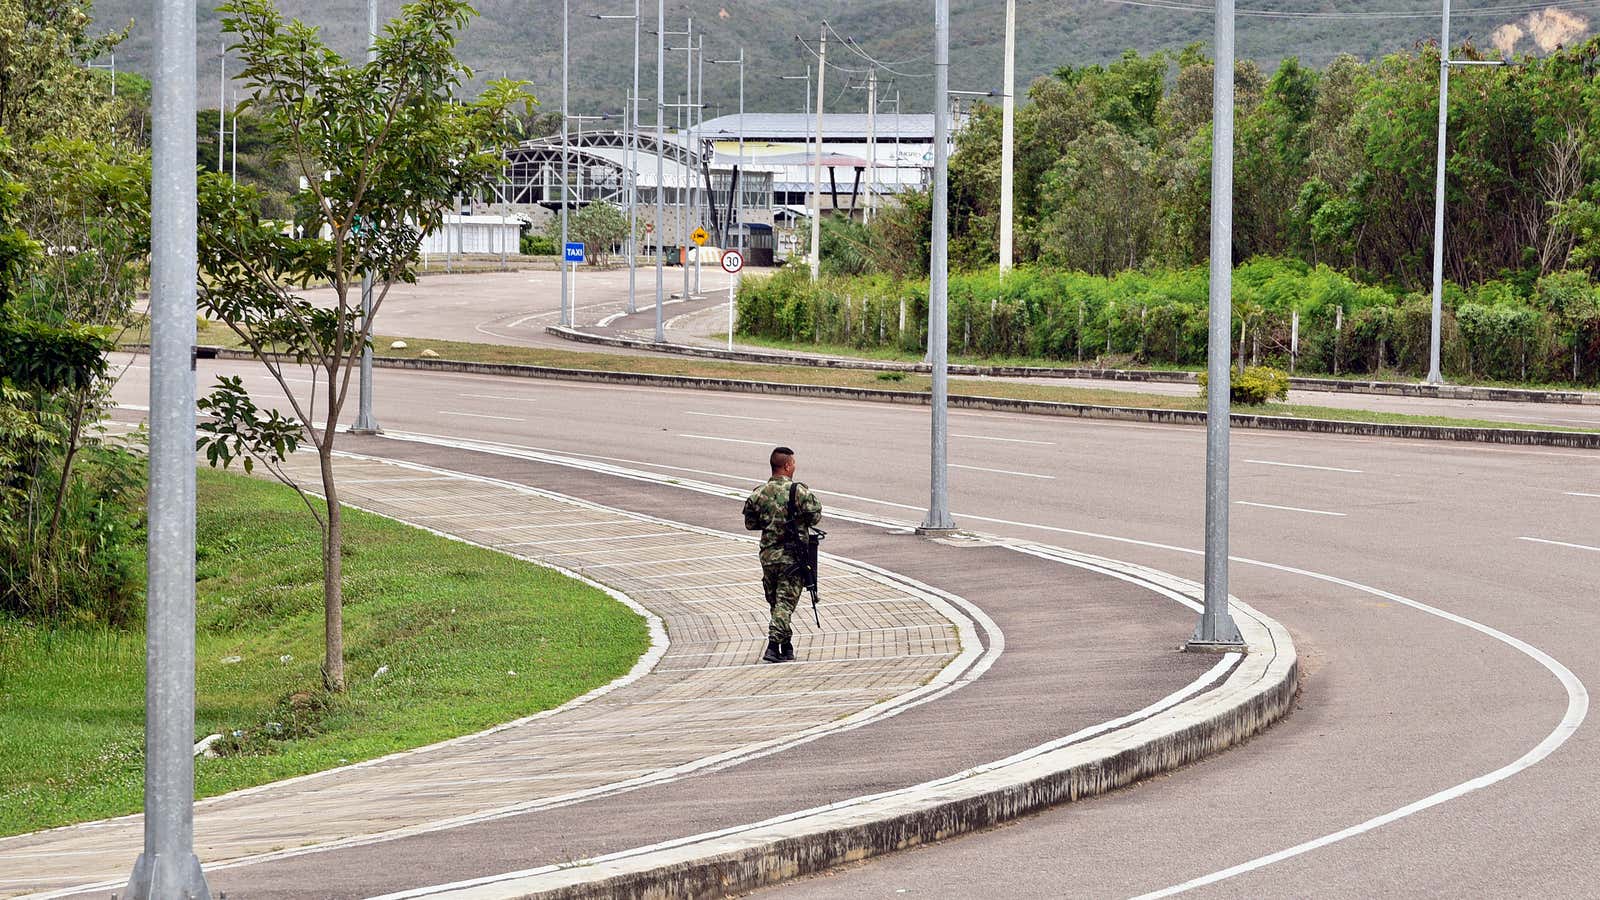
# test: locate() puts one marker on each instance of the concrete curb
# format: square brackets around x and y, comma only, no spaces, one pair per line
[1257,691]
[1332,385]
[1572,440]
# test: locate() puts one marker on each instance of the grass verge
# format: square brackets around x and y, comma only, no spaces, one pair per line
[663,364]
[471,638]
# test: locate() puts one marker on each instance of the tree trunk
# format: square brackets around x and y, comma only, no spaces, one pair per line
[332,578]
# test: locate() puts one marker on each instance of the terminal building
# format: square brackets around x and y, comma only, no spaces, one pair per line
[751,199]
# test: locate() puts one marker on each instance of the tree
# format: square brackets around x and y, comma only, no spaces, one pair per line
[600,226]
[384,148]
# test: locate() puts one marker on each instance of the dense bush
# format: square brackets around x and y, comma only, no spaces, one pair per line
[539,245]
[1286,314]
[1254,386]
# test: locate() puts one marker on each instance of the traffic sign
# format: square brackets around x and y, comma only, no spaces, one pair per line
[699,237]
[575,252]
[732,262]
[649,226]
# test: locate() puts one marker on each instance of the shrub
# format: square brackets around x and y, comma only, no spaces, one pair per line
[538,245]
[1255,385]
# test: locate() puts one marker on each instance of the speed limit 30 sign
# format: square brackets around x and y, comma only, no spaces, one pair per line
[732,262]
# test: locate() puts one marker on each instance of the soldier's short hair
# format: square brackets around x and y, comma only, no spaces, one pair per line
[781,457]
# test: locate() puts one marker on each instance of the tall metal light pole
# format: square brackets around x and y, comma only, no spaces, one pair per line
[688,146]
[631,129]
[938,277]
[807,78]
[1008,115]
[1434,375]
[566,172]
[698,136]
[365,423]
[168,866]
[1217,629]
[735,189]
[872,144]
[816,175]
[222,103]
[661,187]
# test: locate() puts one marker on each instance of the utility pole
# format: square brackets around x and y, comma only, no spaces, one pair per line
[365,423]
[661,187]
[1008,115]
[168,867]
[630,133]
[816,177]
[697,136]
[939,519]
[633,170]
[566,183]
[807,78]
[872,143]
[1434,375]
[1217,630]
[222,104]
[234,138]
[688,146]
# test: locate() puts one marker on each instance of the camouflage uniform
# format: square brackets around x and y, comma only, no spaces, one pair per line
[766,511]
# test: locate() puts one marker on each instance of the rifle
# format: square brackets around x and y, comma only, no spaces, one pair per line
[803,545]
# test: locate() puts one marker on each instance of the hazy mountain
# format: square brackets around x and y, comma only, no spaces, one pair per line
[523,40]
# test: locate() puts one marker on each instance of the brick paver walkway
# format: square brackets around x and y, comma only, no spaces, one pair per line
[706,703]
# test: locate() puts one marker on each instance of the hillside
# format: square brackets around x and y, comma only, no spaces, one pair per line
[523,40]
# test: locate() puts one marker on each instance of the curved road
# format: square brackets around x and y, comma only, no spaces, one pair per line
[1400,704]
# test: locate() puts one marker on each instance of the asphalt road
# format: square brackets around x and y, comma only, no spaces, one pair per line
[1402,704]
[515,308]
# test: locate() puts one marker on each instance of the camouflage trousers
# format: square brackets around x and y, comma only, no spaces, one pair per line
[783,593]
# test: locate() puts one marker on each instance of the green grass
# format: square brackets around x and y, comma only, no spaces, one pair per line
[451,621]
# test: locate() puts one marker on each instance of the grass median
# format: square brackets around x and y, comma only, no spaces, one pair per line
[1043,389]
[471,638]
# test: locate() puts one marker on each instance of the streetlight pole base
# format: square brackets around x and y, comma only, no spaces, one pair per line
[1198,646]
[157,878]
[367,429]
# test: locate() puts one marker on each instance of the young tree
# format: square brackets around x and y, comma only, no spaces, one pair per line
[383,147]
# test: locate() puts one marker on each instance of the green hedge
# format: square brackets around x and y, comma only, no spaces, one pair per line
[1546,329]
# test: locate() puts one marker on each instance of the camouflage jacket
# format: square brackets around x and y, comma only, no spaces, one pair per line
[766,511]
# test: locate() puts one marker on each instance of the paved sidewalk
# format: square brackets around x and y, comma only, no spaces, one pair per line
[698,703]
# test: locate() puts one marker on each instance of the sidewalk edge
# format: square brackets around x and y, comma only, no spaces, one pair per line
[1258,691]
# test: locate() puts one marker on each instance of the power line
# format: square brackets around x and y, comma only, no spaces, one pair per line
[1343,16]
[855,47]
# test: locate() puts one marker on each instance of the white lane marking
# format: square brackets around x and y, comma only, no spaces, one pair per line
[443,412]
[1577,695]
[1559,543]
[726,416]
[707,437]
[1001,471]
[503,397]
[1314,512]
[984,437]
[1580,494]
[1268,462]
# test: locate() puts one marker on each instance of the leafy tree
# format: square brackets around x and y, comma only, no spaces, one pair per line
[1102,198]
[600,226]
[384,148]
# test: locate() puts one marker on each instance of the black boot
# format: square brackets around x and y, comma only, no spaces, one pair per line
[786,651]
[774,653]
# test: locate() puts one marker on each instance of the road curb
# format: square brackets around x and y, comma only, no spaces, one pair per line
[1259,690]
[1332,385]
[1572,440]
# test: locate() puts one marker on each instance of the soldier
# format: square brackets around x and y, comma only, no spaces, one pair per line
[767,511]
